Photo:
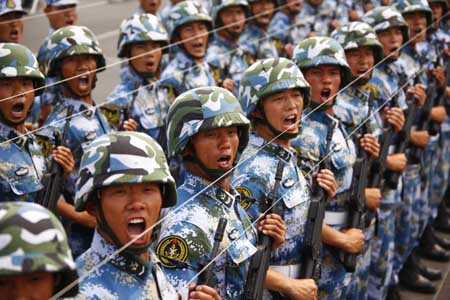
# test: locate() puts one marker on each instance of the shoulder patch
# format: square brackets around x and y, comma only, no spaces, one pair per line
[373,88]
[111,113]
[171,250]
[246,197]
[45,144]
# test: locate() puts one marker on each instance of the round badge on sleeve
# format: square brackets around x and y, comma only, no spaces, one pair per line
[172,249]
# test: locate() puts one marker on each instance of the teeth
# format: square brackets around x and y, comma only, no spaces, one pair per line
[136,221]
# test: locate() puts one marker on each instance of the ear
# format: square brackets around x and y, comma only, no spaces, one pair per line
[91,208]
[47,9]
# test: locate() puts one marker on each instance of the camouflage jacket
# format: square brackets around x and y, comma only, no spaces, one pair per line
[254,179]
[227,61]
[123,277]
[146,101]
[183,74]
[257,42]
[284,31]
[187,237]
[311,146]
[22,166]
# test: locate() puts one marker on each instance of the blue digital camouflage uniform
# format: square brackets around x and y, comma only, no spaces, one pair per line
[122,277]
[311,147]
[254,178]
[22,166]
[227,61]
[283,30]
[257,42]
[186,237]
[183,74]
[147,102]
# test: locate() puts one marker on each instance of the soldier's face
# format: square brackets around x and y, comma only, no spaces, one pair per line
[263,9]
[61,16]
[15,110]
[325,81]
[34,286]
[417,23]
[150,6]
[284,109]
[233,15]
[131,209]
[436,8]
[195,38]
[11,27]
[360,60]
[392,40]
[314,2]
[75,65]
[149,56]
[216,148]
[294,6]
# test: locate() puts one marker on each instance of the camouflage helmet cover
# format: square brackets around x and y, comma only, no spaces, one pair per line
[61,2]
[202,109]
[123,158]
[141,28]
[411,6]
[70,41]
[8,6]
[33,240]
[358,34]
[316,51]
[186,12]
[386,17]
[269,76]
[219,5]
[18,61]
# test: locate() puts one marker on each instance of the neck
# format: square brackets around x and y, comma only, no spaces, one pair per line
[330,111]
[86,99]
[20,127]
[263,27]
[224,183]
[264,132]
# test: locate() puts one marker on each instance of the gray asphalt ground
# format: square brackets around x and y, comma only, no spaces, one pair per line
[103,18]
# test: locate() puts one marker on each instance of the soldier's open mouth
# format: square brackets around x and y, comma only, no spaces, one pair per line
[290,120]
[197,46]
[14,34]
[224,161]
[18,107]
[417,30]
[150,65]
[136,226]
[83,80]
[325,93]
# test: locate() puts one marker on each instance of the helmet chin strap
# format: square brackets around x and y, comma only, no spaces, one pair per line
[103,226]
[279,134]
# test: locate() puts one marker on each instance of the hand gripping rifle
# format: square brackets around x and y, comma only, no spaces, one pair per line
[403,137]
[357,209]
[259,264]
[435,127]
[206,277]
[53,181]
[311,265]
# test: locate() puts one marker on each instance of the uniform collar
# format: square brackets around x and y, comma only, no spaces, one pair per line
[19,139]
[214,191]
[79,106]
[319,116]
[184,60]
[272,148]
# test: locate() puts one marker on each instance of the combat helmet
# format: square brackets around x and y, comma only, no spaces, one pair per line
[9,6]
[386,17]
[20,223]
[219,5]
[411,6]
[18,61]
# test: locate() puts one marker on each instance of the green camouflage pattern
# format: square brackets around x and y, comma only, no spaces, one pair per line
[218,5]
[18,61]
[33,240]
[186,12]
[8,6]
[316,51]
[412,6]
[141,28]
[202,109]
[269,76]
[70,41]
[358,34]
[386,17]
[123,158]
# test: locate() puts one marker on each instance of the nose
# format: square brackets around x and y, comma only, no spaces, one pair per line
[224,141]
[135,200]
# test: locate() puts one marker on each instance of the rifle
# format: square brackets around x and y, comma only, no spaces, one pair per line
[424,120]
[435,127]
[259,264]
[206,277]
[53,181]
[357,196]
[311,265]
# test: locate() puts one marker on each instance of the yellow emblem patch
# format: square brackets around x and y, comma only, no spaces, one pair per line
[373,88]
[45,144]
[111,113]
[172,249]
[10,4]
[246,197]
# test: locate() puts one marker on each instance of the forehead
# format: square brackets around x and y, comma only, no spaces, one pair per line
[359,50]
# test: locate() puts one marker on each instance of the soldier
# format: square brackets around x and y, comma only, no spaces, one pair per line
[22,161]
[363,51]
[282,28]
[149,7]
[190,26]
[75,53]
[218,133]
[60,13]
[226,59]
[11,21]
[124,182]
[143,40]
[273,93]
[255,39]
[35,255]
[326,72]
